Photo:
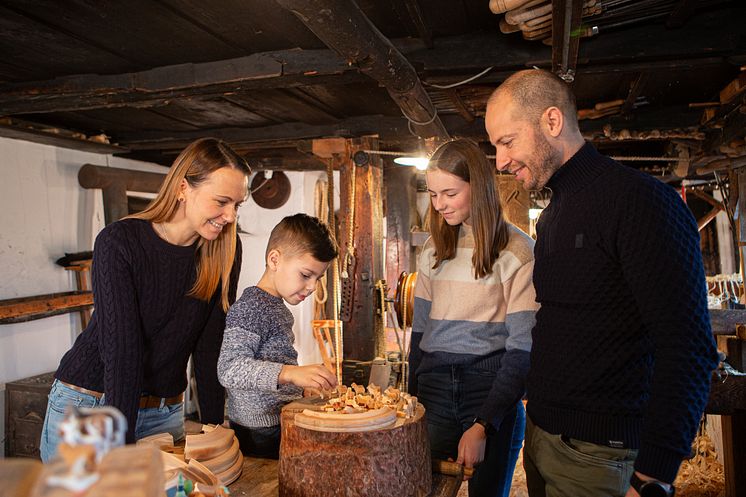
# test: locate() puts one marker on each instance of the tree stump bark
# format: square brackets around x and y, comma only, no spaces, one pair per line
[393,461]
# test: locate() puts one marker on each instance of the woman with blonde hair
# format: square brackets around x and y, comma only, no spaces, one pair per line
[473,314]
[163,280]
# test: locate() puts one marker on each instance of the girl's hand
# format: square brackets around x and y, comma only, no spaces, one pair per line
[471,448]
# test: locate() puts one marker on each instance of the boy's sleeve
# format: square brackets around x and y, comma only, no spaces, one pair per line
[238,367]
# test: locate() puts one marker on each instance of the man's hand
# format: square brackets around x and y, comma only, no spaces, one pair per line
[471,447]
[312,376]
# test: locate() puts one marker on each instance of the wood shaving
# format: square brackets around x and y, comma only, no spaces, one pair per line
[355,399]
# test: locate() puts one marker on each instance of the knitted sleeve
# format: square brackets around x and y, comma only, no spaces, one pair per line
[239,366]
[510,382]
[120,338]
[421,314]
[210,393]
[659,250]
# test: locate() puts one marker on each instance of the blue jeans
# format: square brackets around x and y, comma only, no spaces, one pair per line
[452,397]
[150,421]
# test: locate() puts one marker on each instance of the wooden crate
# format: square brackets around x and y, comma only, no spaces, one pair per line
[25,408]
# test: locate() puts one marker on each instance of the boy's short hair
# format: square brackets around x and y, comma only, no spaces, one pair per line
[302,234]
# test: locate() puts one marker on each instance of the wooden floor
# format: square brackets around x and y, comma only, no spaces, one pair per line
[259,479]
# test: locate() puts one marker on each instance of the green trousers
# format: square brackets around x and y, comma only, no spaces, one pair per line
[557,466]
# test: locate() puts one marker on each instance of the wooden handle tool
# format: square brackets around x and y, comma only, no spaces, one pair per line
[451,468]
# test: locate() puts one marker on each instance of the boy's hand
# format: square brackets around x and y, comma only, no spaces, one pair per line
[313,376]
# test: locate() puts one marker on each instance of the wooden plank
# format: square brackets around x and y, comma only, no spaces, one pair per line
[29,308]
[725,321]
[260,28]
[733,89]
[131,30]
[734,451]
[211,112]
[44,51]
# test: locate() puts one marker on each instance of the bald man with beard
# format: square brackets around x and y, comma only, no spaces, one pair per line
[622,348]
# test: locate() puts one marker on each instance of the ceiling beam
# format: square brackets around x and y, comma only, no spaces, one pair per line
[708,39]
[566,16]
[156,87]
[356,126]
[344,28]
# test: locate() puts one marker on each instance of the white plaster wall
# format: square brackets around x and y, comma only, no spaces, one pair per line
[43,214]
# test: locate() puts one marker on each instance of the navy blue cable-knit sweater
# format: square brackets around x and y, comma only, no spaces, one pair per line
[144,327]
[622,348]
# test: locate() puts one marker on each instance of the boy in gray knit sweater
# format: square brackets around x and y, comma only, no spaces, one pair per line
[258,365]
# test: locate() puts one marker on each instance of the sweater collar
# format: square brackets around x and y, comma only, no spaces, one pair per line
[577,172]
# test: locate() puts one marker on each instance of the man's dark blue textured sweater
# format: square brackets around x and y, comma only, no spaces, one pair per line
[622,348]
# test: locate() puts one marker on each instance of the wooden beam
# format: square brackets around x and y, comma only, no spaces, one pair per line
[415,14]
[359,331]
[401,215]
[29,308]
[566,16]
[156,87]
[639,48]
[634,91]
[726,321]
[344,28]
[115,183]
[352,127]
[56,139]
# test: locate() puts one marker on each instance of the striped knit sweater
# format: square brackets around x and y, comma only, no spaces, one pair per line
[257,342]
[479,323]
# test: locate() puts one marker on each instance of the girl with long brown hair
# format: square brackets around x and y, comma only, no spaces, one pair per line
[163,280]
[473,313]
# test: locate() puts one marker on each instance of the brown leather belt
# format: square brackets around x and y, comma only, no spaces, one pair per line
[146,401]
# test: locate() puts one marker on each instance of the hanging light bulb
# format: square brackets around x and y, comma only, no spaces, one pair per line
[418,162]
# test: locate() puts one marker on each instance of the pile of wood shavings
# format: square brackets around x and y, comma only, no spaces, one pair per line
[702,475]
[355,399]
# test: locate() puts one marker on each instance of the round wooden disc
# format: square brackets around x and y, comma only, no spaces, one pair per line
[270,193]
[405,293]
[375,419]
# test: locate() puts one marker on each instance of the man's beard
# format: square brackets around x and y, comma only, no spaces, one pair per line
[544,163]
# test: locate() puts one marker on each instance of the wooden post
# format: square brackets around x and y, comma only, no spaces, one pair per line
[734,465]
[401,215]
[359,332]
[741,175]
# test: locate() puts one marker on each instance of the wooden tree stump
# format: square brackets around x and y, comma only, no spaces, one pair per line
[393,461]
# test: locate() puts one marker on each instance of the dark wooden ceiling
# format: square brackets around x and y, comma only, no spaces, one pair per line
[152,75]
